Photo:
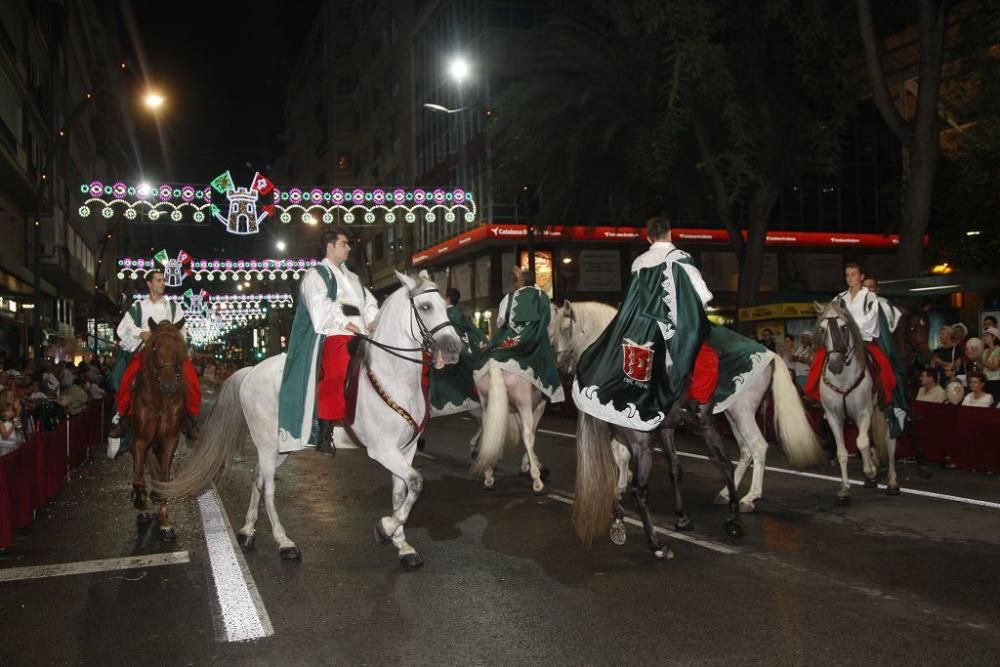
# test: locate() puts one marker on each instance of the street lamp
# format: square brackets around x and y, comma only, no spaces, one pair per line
[459,69]
[280,245]
[153,100]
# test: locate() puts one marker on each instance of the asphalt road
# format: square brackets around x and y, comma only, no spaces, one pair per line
[904,580]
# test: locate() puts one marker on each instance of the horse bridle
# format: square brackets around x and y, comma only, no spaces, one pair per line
[426,335]
[156,375]
[847,351]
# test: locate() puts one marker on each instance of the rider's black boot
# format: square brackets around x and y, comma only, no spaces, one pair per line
[325,443]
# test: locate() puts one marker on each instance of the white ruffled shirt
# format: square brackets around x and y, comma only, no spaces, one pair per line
[128,332]
[327,316]
[863,307]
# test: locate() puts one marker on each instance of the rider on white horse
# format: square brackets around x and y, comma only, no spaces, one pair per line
[888,321]
[639,367]
[333,308]
[452,389]
[865,309]
[521,343]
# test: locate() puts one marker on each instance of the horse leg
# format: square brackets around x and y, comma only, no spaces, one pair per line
[741,466]
[477,413]
[139,447]
[683,523]
[269,462]
[892,485]
[753,451]
[167,532]
[836,422]
[713,442]
[246,537]
[529,422]
[642,465]
[865,450]
[407,484]
[621,454]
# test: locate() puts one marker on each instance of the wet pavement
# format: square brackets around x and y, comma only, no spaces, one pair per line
[886,581]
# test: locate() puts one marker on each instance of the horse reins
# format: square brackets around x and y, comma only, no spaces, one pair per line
[426,345]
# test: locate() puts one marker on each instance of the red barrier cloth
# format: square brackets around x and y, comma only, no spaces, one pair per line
[24,505]
[8,473]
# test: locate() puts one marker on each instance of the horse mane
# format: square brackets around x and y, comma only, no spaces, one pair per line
[819,333]
[594,312]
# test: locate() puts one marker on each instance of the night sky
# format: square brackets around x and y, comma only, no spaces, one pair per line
[224,68]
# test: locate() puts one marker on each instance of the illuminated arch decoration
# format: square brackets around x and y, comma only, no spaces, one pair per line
[225,269]
[244,209]
[235,301]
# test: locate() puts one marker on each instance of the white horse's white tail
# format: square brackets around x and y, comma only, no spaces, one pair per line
[795,434]
[222,436]
[495,423]
[596,479]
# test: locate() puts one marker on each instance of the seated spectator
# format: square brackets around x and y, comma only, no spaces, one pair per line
[93,389]
[11,435]
[767,339]
[977,397]
[74,398]
[67,375]
[950,356]
[991,360]
[989,322]
[931,390]
[49,381]
[804,354]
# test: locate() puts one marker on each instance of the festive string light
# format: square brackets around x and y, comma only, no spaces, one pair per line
[224,269]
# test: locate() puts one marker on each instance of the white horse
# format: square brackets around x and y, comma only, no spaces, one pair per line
[389,415]
[847,391]
[512,409]
[579,325]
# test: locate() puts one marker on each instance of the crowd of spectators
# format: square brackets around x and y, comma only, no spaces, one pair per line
[39,398]
[964,370]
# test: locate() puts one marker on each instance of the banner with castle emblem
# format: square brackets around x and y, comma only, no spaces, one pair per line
[637,360]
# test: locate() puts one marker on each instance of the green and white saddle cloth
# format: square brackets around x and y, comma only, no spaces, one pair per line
[640,366]
[521,342]
[452,388]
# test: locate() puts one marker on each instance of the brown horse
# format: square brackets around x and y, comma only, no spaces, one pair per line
[158,400]
[912,340]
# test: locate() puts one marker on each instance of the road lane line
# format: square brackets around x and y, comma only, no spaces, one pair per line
[830,478]
[685,537]
[92,566]
[243,614]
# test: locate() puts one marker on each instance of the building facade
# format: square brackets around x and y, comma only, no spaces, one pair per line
[62,111]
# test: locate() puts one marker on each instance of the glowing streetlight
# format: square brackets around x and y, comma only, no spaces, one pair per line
[459,69]
[280,245]
[153,100]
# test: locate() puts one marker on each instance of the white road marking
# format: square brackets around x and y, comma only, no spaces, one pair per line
[92,566]
[243,614]
[427,456]
[812,475]
[700,541]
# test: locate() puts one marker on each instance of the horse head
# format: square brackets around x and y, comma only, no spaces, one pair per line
[837,332]
[916,328]
[428,322]
[164,361]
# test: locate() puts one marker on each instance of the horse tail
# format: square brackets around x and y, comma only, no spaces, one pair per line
[495,423]
[795,434]
[223,435]
[596,479]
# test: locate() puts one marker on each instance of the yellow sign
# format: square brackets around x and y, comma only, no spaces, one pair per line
[777,311]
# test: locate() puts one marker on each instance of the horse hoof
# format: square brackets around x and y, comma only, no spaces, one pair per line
[684,524]
[617,533]
[411,562]
[139,500]
[488,484]
[544,474]
[168,535]
[843,501]
[871,483]
[538,488]
[734,529]
[290,553]
[892,491]
[380,535]
[662,554]
[246,542]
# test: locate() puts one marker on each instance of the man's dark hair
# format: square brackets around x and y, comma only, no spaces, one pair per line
[766,331]
[855,265]
[871,279]
[978,375]
[330,236]
[992,320]
[657,227]
[453,295]
[528,277]
[933,373]
[790,337]
[151,273]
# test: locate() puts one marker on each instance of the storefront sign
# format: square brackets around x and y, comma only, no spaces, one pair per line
[600,271]
[681,237]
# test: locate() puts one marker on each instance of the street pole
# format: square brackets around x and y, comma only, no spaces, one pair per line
[36,237]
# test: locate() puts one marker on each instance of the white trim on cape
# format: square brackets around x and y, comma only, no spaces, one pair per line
[511,366]
[586,400]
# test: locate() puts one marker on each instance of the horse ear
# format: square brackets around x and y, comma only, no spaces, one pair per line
[819,307]
[423,275]
[179,324]
[405,280]
[152,324]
